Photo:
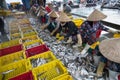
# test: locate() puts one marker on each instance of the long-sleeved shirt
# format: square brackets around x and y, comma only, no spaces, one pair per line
[69,28]
[91,31]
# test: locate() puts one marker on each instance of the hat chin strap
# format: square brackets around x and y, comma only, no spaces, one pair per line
[62,24]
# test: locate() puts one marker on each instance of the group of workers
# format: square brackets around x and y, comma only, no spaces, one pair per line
[88,33]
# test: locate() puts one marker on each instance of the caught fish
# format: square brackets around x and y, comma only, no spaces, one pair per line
[6,72]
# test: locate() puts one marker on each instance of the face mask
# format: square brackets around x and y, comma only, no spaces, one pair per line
[62,24]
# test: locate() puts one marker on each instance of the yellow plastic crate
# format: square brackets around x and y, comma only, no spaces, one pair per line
[29,38]
[24,21]
[5,12]
[78,22]
[64,77]
[14,69]
[46,55]
[29,34]
[38,42]
[22,26]
[13,26]
[10,43]
[15,36]
[49,71]
[26,28]
[117,35]
[14,57]
[13,31]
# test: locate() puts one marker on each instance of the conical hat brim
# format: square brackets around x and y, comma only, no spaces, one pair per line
[42,13]
[110,48]
[53,14]
[63,17]
[96,16]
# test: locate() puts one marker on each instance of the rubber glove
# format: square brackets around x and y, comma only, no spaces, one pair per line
[69,40]
[79,39]
[85,49]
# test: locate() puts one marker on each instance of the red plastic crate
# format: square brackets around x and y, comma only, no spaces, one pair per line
[36,50]
[25,76]
[10,50]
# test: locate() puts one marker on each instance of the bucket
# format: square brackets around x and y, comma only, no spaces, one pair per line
[96,60]
[112,75]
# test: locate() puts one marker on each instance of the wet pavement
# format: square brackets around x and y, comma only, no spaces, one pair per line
[113,15]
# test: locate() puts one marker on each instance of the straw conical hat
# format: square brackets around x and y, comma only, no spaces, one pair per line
[110,48]
[53,14]
[96,16]
[63,17]
[41,13]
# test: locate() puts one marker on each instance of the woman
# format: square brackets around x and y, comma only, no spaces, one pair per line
[110,49]
[52,23]
[43,17]
[91,29]
[68,29]
[49,7]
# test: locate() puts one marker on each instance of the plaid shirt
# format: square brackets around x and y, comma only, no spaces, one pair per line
[90,34]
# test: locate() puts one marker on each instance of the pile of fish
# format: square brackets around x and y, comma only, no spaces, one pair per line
[81,67]
[32,45]
[39,61]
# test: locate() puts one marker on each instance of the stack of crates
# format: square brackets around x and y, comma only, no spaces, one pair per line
[18,55]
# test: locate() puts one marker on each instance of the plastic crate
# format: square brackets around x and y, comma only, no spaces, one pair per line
[36,50]
[15,36]
[9,43]
[24,76]
[64,77]
[117,35]
[30,44]
[14,69]
[14,57]
[5,12]
[26,28]
[10,50]
[13,31]
[46,55]
[30,33]
[29,38]
[78,22]
[49,71]
[24,21]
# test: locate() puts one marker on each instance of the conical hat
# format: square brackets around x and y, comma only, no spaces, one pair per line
[53,14]
[96,16]
[63,17]
[110,48]
[41,13]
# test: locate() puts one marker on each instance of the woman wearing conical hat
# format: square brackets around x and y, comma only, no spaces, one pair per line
[52,22]
[110,50]
[68,29]
[91,29]
[49,7]
[43,17]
